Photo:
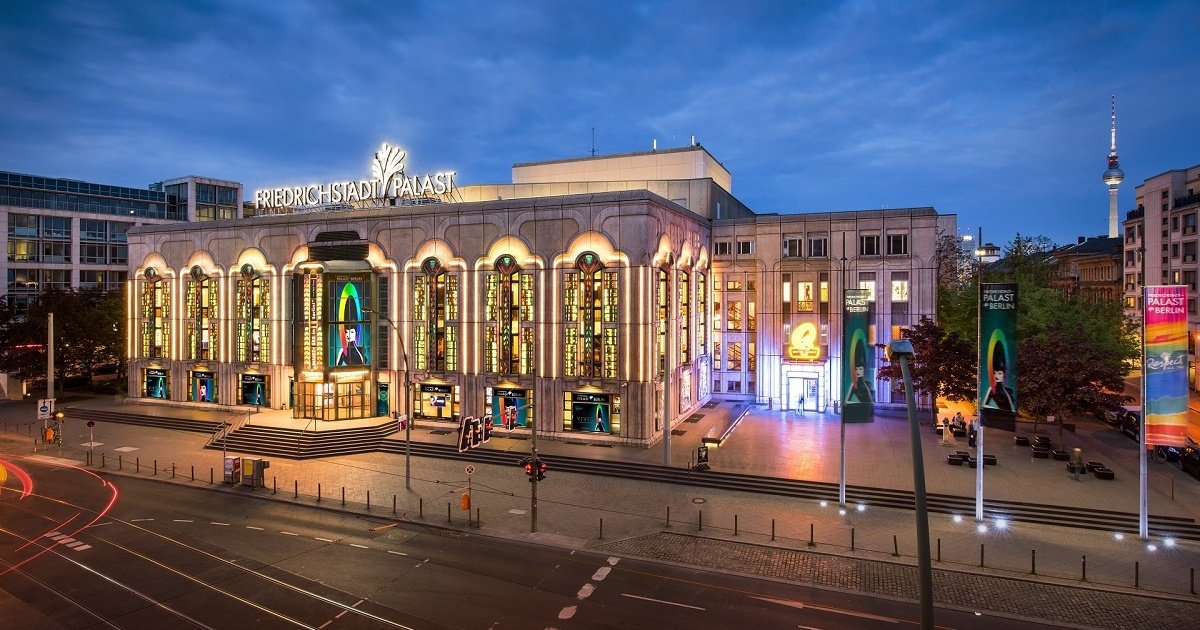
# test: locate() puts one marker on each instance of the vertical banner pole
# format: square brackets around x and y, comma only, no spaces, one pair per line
[979,395]
[1143,471]
[1164,381]
[842,391]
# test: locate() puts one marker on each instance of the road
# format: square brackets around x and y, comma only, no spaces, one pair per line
[82,550]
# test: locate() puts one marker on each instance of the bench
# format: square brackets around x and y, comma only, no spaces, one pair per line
[724,428]
[989,460]
[1094,466]
[953,459]
[1105,474]
[1061,456]
[1041,452]
[1021,440]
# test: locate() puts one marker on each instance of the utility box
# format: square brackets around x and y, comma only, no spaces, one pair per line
[233,469]
[253,471]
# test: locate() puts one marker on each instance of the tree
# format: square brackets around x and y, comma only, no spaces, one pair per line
[88,332]
[943,365]
[1062,373]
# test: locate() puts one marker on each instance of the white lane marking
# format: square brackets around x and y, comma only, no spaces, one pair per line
[289,533]
[808,628]
[420,563]
[254,528]
[322,539]
[661,601]
[216,523]
[836,611]
[181,520]
[601,573]
[68,541]
[56,536]
[613,561]
[339,615]
[126,449]
[139,520]
[101,524]
[398,553]
[566,613]
[83,547]
[322,626]
[585,591]
[516,511]
[73,544]
[53,461]
[359,546]
[53,534]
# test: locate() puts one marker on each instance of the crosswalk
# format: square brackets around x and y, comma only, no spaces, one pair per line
[67,541]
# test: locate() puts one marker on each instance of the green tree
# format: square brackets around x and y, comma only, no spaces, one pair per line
[1061,374]
[943,365]
[88,332]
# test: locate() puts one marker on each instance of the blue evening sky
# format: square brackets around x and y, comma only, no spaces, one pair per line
[997,111]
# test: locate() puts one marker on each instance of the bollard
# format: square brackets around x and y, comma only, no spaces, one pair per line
[668,517]
[1084,578]
[851,539]
[601,528]
[772,529]
[295,489]
[120,462]
[343,496]
[477,523]
[980,554]
[103,460]
[811,530]
[939,550]
[172,471]
[895,546]
[393,504]
[318,493]
[421,506]
[274,484]
[1033,561]
[1192,580]
[447,511]
[156,468]
[1136,567]
[210,475]
[700,521]
[193,472]
[735,525]
[368,500]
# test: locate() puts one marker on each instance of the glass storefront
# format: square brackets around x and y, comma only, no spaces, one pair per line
[509,407]
[436,401]
[344,400]
[157,384]
[203,387]
[253,390]
[592,412]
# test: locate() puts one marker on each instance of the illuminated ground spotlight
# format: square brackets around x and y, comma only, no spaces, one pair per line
[981,528]
[958,518]
[1168,542]
[1119,536]
[861,507]
[824,504]
[1001,523]
[842,512]
[1151,547]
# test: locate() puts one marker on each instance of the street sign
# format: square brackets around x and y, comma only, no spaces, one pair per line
[45,408]
[470,469]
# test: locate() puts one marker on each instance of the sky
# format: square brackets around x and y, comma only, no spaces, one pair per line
[997,111]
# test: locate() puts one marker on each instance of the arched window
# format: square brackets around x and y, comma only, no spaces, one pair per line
[508,305]
[201,314]
[701,313]
[663,301]
[591,303]
[155,315]
[252,307]
[685,306]
[435,318]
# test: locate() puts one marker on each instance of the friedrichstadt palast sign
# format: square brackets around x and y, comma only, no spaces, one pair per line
[389,181]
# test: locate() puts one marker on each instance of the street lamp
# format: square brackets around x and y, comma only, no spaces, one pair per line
[902,350]
[407,400]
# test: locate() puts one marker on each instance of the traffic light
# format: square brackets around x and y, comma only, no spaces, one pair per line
[487,427]
[541,469]
[464,435]
[527,464]
[476,432]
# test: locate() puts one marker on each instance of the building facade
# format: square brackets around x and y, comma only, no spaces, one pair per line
[604,298]
[65,234]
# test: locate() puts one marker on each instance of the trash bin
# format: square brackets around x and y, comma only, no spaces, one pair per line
[253,470]
[233,469]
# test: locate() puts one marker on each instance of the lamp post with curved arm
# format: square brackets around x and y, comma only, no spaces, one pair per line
[407,399]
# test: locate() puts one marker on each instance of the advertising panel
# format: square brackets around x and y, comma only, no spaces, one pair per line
[349,328]
[1166,365]
[591,412]
[382,394]
[204,387]
[858,365]
[156,384]
[998,354]
[510,407]
[254,389]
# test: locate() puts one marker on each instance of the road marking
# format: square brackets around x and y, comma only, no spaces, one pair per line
[661,601]
[808,628]
[835,611]
[322,626]
[566,613]
[613,561]
[253,527]
[322,539]
[516,511]
[586,591]
[139,520]
[101,524]
[126,449]
[216,523]
[339,615]
[601,573]
[54,461]
[56,536]
[83,547]
[289,534]
[398,553]
[420,563]
[359,546]
[181,520]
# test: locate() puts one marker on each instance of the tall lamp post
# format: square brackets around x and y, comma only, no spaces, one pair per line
[902,350]
[407,400]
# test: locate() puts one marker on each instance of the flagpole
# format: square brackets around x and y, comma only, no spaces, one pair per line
[979,396]
[1143,502]
[842,419]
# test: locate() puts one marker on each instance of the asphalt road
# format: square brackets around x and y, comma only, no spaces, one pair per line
[82,551]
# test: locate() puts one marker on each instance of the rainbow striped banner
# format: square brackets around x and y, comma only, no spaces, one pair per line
[1165,365]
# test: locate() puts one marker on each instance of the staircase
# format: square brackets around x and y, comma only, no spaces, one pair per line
[303,444]
[123,417]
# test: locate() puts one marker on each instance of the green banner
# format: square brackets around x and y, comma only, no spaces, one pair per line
[998,354]
[858,365]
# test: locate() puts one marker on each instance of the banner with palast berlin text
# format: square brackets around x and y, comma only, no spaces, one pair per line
[998,355]
[1165,365]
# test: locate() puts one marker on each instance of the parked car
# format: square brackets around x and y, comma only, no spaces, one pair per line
[1131,425]
[1189,461]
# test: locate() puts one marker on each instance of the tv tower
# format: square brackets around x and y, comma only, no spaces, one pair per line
[1113,176]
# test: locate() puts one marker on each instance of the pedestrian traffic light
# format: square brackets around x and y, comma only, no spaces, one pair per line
[541,469]
[527,464]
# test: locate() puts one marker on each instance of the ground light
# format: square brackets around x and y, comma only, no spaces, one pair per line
[958,518]
[1152,547]
[861,507]
[1119,536]
[842,512]
[1001,523]
[824,503]
[981,528]
[1168,542]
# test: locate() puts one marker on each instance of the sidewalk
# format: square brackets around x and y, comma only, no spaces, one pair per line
[574,508]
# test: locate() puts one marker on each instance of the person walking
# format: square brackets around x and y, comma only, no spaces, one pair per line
[1077,464]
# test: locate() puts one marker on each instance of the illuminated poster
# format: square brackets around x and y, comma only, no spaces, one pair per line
[254,389]
[349,329]
[156,384]
[858,367]
[1166,364]
[998,353]
[510,407]
[204,387]
[591,412]
[382,407]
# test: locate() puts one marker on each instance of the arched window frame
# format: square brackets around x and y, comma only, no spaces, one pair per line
[435,318]
[155,315]
[252,311]
[201,312]
[592,302]
[508,306]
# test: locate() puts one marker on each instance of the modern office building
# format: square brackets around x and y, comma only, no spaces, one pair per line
[64,233]
[604,298]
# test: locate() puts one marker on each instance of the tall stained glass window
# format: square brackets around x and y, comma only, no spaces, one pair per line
[591,302]
[685,305]
[701,314]
[155,315]
[252,307]
[435,318]
[508,306]
[202,321]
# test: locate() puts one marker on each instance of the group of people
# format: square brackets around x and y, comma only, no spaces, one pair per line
[958,422]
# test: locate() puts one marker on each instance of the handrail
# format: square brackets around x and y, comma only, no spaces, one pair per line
[226,428]
[300,439]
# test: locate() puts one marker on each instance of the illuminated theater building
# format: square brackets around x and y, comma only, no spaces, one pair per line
[588,296]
